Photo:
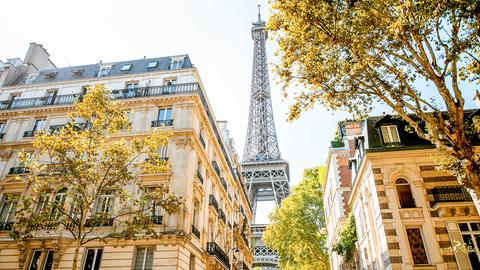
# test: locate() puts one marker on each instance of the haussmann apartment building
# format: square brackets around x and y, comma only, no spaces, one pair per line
[166,93]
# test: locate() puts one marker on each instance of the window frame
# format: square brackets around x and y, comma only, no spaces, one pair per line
[152,64]
[419,227]
[145,257]
[398,195]
[104,70]
[126,67]
[94,266]
[389,134]
[9,216]
[42,259]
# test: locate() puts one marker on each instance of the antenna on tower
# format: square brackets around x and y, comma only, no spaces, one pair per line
[259,18]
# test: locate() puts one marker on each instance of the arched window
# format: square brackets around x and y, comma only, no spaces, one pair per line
[404,194]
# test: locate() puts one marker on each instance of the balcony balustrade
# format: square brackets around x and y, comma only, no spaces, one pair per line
[195,232]
[451,194]
[199,177]
[162,123]
[213,202]
[215,250]
[24,103]
[18,170]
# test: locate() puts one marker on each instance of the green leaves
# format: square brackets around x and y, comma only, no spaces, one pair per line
[345,246]
[294,230]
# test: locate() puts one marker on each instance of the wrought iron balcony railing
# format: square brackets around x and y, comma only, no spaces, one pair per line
[18,170]
[23,103]
[215,250]
[162,123]
[213,202]
[195,231]
[6,226]
[451,194]
[99,222]
[199,177]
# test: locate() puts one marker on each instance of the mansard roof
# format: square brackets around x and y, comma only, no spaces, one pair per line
[91,71]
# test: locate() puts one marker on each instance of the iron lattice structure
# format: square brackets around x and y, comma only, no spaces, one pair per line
[265,172]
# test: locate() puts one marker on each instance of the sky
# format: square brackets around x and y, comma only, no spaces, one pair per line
[216,35]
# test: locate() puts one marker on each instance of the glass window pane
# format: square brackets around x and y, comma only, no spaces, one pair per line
[139,258]
[161,114]
[35,262]
[168,114]
[394,134]
[386,138]
[48,261]
[463,227]
[149,259]
[89,259]
[98,259]
[474,226]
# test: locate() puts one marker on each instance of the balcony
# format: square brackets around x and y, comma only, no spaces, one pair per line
[6,226]
[99,222]
[221,215]
[215,250]
[162,123]
[451,194]
[195,232]
[18,170]
[224,184]
[213,202]
[24,103]
[199,177]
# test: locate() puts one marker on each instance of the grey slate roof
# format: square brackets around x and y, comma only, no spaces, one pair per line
[91,71]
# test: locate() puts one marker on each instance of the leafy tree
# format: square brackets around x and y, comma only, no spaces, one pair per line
[346,245]
[294,229]
[353,54]
[79,174]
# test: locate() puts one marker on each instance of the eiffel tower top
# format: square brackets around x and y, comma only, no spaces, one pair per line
[261,143]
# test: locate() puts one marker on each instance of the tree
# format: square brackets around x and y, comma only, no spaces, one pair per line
[352,54]
[294,229]
[346,245]
[80,173]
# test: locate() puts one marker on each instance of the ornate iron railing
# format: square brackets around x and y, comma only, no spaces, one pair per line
[162,123]
[195,231]
[213,202]
[215,250]
[23,103]
[18,170]
[221,215]
[451,194]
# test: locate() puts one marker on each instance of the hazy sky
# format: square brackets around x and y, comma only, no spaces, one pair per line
[216,35]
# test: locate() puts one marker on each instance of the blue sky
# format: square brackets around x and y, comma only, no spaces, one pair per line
[216,35]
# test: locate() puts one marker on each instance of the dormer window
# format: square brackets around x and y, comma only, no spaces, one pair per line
[50,75]
[390,134]
[176,63]
[126,67]
[104,70]
[31,78]
[77,71]
[152,64]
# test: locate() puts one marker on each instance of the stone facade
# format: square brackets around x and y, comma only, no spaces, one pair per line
[204,166]
[408,213]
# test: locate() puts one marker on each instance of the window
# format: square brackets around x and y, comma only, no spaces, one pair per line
[31,78]
[169,85]
[104,70]
[126,67]
[2,130]
[51,96]
[176,64]
[164,118]
[93,258]
[191,265]
[36,261]
[143,258]
[7,211]
[152,64]
[128,115]
[42,203]
[390,134]
[39,124]
[163,152]
[155,210]
[404,193]
[417,247]
[471,237]
[104,204]
[58,202]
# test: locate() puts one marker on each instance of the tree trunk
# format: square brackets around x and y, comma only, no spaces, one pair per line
[75,254]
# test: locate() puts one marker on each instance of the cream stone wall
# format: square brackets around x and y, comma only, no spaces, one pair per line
[185,151]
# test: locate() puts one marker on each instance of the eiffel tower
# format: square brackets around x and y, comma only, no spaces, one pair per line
[265,172]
